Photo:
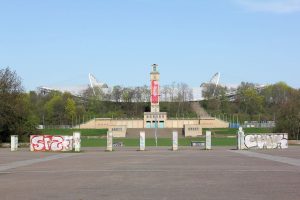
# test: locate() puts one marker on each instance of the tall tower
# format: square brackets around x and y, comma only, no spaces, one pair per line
[155,92]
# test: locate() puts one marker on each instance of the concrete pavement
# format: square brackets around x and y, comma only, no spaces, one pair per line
[153,174]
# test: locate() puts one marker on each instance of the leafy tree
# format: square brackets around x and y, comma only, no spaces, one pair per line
[70,109]
[15,117]
[55,110]
[145,93]
[211,91]
[127,95]
[288,119]
[278,93]
[251,102]
[117,93]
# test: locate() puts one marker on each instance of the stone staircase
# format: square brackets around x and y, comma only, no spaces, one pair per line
[201,112]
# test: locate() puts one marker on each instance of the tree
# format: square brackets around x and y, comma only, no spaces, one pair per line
[88,93]
[172,92]
[70,108]
[249,99]
[117,93]
[211,91]
[278,93]
[183,90]
[127,95]
[14,112]
[137,94]
[288,119]
[55,110]
[145,93]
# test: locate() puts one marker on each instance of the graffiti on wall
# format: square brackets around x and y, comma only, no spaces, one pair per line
[51,143]
[266,141]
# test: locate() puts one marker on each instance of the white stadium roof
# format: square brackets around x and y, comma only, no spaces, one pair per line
[93,82]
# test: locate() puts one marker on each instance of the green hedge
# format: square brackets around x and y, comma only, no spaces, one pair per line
[84,132]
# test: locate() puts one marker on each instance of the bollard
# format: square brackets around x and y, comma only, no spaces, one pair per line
[241,138]
[77,141]
[208,140]
[142,141]
[14,143]
[109,141]
[175,141]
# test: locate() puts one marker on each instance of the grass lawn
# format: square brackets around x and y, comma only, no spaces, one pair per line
[161,142]
[233,131]
[100,132]
[218,140]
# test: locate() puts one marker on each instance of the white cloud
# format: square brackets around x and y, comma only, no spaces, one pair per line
[274,6]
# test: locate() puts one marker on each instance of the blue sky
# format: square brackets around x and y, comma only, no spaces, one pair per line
[58,42]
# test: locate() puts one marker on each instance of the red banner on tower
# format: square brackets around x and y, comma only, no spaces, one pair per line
[154,92]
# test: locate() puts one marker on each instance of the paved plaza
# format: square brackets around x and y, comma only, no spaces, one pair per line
[157,173]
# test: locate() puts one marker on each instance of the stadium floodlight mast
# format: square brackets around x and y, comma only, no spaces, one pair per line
[94,82]
[215,81]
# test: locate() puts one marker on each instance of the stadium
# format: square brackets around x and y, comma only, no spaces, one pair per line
[196,92]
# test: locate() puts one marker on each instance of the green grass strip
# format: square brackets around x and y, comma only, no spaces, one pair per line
[161,142]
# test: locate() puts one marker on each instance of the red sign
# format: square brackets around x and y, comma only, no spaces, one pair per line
[154,92]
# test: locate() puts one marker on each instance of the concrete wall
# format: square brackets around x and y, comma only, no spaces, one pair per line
[205,123]
[51,143]
[148,116]
[106,123]
[192,130]
[118,131]
[179,123]
[213,123]
[266,141]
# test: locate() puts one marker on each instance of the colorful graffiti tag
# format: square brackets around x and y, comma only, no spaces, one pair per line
[51,143]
